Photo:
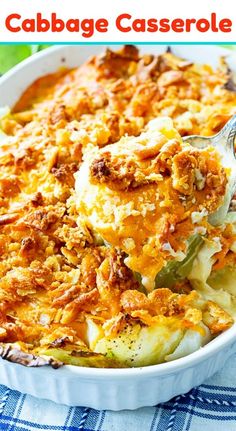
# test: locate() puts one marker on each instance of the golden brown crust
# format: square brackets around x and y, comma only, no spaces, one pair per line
[216,318]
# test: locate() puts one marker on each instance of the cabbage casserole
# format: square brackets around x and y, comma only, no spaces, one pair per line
[114,248]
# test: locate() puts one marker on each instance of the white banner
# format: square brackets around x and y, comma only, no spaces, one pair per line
[154,21]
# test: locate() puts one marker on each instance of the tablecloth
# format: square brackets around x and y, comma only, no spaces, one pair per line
[210,407]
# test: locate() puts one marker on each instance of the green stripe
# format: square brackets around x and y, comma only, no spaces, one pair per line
[119,43]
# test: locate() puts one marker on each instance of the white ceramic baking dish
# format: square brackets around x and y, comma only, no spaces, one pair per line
[114,389]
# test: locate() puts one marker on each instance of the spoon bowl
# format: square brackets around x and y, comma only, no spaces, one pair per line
[224,142]
[225,137]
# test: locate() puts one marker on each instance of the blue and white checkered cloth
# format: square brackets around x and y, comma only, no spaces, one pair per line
[210,407]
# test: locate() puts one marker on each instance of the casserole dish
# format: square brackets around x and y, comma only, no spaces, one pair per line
[105,388]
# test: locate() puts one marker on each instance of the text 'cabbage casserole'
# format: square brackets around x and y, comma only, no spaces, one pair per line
[112,251]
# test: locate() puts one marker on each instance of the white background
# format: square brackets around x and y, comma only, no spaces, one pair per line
[110,9]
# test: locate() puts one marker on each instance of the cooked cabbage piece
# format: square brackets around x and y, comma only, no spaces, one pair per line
[176,271]
[224,278]
[218,285]
[66,353]
[82,358]
[138,345]
[159,327]
[191,342]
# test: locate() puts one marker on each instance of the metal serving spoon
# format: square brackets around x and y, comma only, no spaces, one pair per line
[224,142]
